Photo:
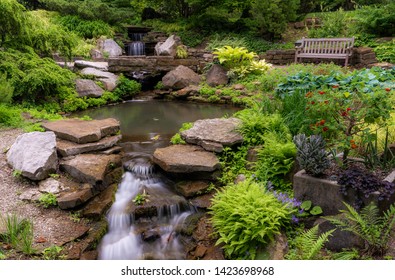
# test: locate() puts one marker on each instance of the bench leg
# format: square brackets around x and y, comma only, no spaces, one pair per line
[346,62]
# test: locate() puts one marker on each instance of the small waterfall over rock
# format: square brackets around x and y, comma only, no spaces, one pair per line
[137,46]
[143,221]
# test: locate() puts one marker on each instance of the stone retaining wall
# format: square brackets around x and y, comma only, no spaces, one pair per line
[362,57]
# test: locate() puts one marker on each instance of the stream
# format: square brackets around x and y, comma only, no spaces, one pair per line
[143,221]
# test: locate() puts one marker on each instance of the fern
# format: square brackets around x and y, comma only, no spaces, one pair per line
[308,245]
[246,217]
[374,229]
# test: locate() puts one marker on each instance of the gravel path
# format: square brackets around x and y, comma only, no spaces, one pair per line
[51,226]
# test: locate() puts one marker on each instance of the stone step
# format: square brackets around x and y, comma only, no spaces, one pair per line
[67,148]
[81,132]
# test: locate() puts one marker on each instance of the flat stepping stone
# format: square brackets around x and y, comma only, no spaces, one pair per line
[68,148]
[100,204]
[90,168]
[214,134]
[82,132]
[186,159]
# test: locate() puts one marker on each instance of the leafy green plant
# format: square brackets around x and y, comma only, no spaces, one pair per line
[6,89]
[53,253]
[126,87]
[311,154]
[234,57]
[309,209]
[246,217]
[181,51]
[177,139]
[10,116]
[308,245]
[18,233]
[17,173]
[86,28]
[374,229]
[26,237]
[141,198]
[48,200]
[385,52]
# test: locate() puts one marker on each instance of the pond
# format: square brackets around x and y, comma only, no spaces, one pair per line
[145,126]
[143,121]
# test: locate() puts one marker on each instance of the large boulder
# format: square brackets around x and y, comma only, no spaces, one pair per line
[34,155]
[214,134]
[81,132]
[180,77]
[185,159]
[88,88]
[110,47]
[169,47]
[108,79]
[217,76]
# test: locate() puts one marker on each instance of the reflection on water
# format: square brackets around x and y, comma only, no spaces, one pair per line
[154,120]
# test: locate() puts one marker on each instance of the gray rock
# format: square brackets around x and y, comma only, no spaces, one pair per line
[169,47]
[90,168]
[50,185]
[110,47]
[81,132]
[217,76]
[67,148]
[88,88]
[34,154]
[96,54]
[91,64]
[203,201]
[73,199]
[186,159]
[108,79]
[180,77]
[214,134]
[30,195]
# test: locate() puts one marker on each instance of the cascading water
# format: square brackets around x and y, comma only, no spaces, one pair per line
[152,235]
[137,46]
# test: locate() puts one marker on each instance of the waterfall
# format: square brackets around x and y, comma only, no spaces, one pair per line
[137,46]
[133,236]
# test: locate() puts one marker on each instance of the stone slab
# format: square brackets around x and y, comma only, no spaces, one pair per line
[81,132]
[68,148]
[186,159]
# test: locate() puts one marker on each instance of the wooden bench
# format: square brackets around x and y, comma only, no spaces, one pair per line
[335,48]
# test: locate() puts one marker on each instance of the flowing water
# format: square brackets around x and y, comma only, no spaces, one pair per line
[137,47]
[150,230]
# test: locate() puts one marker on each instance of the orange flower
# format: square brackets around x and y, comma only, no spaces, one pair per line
[335,86]
[321,92]
[387,89]
[326,101]
[322,122]
[324,129]
[353,146]
[309,94]
[348,109]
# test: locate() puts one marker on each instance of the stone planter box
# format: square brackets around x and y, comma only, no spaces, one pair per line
[326,193]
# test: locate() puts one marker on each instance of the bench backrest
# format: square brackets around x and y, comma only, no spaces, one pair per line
[327,45]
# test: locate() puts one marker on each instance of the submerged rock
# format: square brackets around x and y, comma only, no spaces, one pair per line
[34,155]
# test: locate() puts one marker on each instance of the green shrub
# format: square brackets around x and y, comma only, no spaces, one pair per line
[6,89]
[53,253]
[10,116]
[247,217]
[234,57]
[126,87]
[86,28]
[181,52]
[385,52]
[377,20]
[48,200]
[176,139]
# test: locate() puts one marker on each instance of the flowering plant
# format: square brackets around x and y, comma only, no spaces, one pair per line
[345,118]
